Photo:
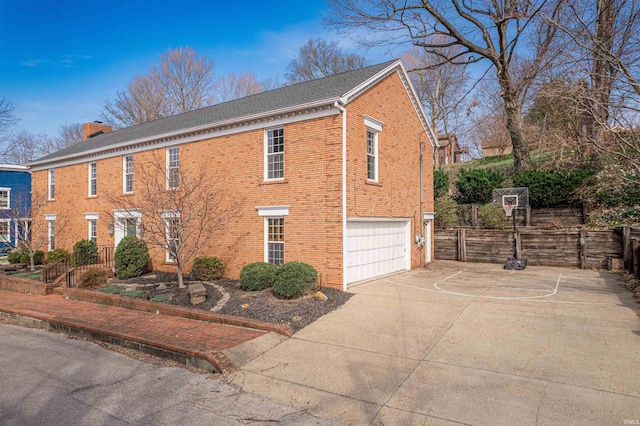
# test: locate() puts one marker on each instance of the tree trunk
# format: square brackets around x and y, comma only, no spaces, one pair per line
[32,265]
[180,279]
[521,159]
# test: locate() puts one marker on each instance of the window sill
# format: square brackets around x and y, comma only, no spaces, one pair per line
[372,182]
[127,193]
[92,196]
[273,182]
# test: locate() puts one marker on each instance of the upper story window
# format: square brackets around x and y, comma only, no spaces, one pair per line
[93,179]
[52,184]
[274,154]
[127,174]
[173,167]
[374,127]
[5,201]
[372,155]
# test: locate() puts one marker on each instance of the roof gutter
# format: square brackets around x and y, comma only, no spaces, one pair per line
[338,104]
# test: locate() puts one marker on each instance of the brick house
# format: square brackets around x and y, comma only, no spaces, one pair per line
[15,203]
[330,171]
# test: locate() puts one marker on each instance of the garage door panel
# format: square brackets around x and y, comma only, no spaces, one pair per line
[376,248]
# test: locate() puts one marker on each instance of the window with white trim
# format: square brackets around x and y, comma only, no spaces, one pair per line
[274,154]
[127,174]
[93,231]
[5,200]
[172,233]
[93,179]
[372,155]
[173,167]
[52,184]
[5,230]
[51,231]
[275,240]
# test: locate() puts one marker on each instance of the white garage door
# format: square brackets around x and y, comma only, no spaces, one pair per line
[376,247]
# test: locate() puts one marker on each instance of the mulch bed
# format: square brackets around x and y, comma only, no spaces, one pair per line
[262,305]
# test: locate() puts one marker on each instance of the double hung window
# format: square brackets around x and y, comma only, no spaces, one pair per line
[173,167]
[274,154]
[93,179]
[127,179]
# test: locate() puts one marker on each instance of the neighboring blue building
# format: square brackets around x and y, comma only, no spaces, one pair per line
[15,202]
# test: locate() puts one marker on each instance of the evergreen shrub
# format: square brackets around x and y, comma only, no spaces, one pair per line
[131,257]
[257,276]
[293,279]
[475,186]
[208,268]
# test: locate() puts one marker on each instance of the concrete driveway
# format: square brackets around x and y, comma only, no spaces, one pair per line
[463,343]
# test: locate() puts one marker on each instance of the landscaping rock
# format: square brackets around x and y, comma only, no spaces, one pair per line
[198,293]
[320,296]
[161,287]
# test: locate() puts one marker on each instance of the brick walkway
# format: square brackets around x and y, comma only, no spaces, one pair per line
[192,337]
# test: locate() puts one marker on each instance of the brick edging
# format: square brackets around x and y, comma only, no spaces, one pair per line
[217,358]
[24,285]
[146,306]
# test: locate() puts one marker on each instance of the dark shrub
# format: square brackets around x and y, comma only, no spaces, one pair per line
[445,208]
[58,255]
[440,183]
[131,257]
[38,257]
[93,278]
[293,279]
[552,187]
[257,276]
[208,268]
[85,252]
[475,186]
[14,257]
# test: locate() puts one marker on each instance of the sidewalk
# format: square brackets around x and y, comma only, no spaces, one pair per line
[182,339]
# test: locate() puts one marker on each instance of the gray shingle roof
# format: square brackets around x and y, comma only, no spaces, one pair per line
[326,88]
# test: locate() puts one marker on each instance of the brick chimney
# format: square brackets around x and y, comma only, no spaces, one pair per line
[96,128]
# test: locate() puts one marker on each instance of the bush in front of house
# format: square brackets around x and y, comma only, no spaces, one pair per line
[440,183]
[475,186]
[131,258]
[93,278]
[38,257]
[208,268]
[293,279]
[492,217]
[257,276]
[85,252]
[58,255]
[446,212]
[14,257]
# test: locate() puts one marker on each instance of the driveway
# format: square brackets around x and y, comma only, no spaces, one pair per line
[464,343]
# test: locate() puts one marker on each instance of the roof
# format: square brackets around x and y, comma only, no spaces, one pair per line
[321,91]
[13,168]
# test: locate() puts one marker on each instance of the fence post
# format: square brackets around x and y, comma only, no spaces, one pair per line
[585,213]
[634,258]
[462,245]
[527,216]
[626,242]
[582,234]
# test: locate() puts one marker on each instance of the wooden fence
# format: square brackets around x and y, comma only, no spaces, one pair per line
[574,248]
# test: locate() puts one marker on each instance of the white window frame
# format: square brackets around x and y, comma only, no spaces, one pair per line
[375,127]
[267,155]
[25,222]
[92,226]
[51,231]
[170,168]
[51,184]
[120,217]
[126,173]
[8,206]
[272,212]
[166,215]
[93,179]
[6,238]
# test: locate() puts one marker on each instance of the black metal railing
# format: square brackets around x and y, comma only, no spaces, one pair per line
[86,259]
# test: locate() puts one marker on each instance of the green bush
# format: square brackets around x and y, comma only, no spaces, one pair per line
[14,257]
[293,279]
[440,183]
[257,276]
[38,257]
[116,289]
[161,298]
[93,278]
[58,255]
[475,186]
[208,268]
[131,258]
[134,294]
[85,252]
[552,187]
[445,209]
[492,217]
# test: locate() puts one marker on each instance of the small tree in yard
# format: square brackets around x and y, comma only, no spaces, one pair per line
[181,209]
[26,235]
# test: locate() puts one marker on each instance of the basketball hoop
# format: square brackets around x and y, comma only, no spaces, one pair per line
[508,209]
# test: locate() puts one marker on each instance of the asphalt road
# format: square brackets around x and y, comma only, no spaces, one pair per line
[48,379]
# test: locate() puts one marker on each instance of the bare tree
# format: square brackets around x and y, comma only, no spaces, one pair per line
[7,120]
[234,86]
[482,31]
[24,147]
[182,82]
[321,58]
[182,219]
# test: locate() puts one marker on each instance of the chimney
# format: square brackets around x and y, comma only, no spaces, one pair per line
[96,128]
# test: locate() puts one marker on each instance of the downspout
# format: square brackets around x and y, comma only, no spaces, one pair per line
[343,110]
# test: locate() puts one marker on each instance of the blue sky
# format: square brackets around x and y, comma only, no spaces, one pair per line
[61,59]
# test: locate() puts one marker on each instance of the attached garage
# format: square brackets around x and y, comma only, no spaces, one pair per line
[376,247]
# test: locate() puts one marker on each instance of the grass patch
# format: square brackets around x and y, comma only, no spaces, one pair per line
[28,275]
[161,298]
[117,289]
[134,294]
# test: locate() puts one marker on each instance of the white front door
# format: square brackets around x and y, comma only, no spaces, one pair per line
[126,222]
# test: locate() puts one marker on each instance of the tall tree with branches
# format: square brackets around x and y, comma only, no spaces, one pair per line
[495,32]
[320,58]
